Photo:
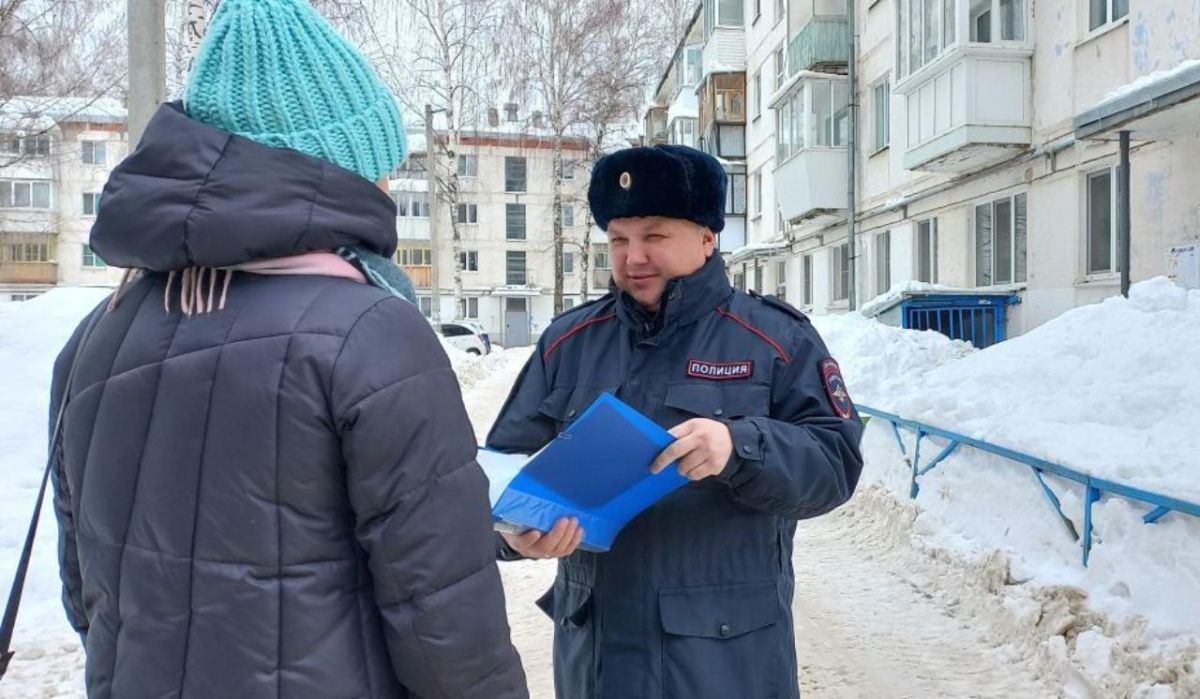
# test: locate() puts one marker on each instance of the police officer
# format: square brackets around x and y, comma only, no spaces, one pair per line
[694,599]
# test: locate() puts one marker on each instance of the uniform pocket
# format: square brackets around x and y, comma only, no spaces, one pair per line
[569,604]
[565,403]
[718,401]
[723,641]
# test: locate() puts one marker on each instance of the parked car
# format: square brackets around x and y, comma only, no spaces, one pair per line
[468,336]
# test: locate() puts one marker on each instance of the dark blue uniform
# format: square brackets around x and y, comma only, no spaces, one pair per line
[694,598]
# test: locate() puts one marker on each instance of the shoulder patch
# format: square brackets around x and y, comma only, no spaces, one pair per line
[776,302]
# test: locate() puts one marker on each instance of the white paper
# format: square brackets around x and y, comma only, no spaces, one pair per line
[500,470]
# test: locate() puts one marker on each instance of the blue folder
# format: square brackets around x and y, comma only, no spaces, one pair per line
[598,470]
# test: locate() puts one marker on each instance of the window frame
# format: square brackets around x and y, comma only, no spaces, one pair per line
[1114,262]
[882,122]
[509,210]
[511,256]
[90,260]
[806,282]
[471,211]
[1013,236]
[468,165]
[1110,18]
[568,263]
[839,272]
[930,226]
[468,260]
[95,146]
[510,178]
[91,200]
[10,201]
[883,262]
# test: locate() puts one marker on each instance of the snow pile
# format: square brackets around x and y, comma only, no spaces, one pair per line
[901,290]
[1112,389]
[1146,81]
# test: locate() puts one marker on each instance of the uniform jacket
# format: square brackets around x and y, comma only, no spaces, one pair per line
[694,598]
[279,498]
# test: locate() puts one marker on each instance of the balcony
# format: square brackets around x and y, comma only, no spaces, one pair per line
[964,73]
[28,272]
[421,275]
[656,126]
[821,44]
[812,128]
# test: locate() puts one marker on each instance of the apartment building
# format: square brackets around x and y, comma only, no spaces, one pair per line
[506,179]
[55,156]
[987,150]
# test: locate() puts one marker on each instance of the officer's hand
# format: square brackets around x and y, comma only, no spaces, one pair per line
[560,541]
[701,446]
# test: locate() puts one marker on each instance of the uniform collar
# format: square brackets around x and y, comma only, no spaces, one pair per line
[685,300]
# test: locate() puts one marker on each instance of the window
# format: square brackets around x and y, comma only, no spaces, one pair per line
[841,272]
[514,221]
[756,95]
[28,252]
[425,303]
[415,257]
[927,251]
[568,216]
[758,194]
[32,146]
[1000,232]
[411,204]
[468,308]
[722,13]
[514,268]
[781,280]
[568,263]
[24,194]
[91,260]
[95,153]
[514,174]
[739,280]
[683,132]
[22,297]
[882,95]
[1101,223]
[510,112]
[927,28]
[468,260]
[568,168]
[91,203]
[883,262]
[687,68]
[780,67]
[468,166]
[816,114]
[1101,12]
[806,297]
[600,257]
[735,196]
[468,213]
[412,168]
[730,97]
[568,303]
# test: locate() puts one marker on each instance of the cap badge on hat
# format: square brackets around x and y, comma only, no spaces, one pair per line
[626,181]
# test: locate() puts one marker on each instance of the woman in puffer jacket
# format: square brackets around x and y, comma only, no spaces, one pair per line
[266,485]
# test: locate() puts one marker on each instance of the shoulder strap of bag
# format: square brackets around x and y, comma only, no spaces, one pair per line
[18,585]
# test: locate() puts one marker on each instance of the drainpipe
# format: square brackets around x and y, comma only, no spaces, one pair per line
[851,155]
[1124,226]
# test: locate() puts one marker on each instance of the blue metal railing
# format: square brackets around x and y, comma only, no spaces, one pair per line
[1094,488]
[981,320]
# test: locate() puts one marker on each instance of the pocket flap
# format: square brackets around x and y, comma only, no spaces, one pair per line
[566,403]
[712,400]
[568,603]
[723,611]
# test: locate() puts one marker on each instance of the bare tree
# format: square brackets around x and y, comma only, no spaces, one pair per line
[50,49]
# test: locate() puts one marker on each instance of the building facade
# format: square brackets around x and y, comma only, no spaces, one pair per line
[505,222]
[986,150]
[55,156]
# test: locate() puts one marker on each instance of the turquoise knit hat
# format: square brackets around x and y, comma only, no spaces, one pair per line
[276,72]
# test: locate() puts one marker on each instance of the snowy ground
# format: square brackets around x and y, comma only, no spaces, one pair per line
[972,590]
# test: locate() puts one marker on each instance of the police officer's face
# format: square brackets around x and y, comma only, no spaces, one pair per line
[648,252]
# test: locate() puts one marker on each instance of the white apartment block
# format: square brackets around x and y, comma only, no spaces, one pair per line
[505,222]
[55,156]
[987,155]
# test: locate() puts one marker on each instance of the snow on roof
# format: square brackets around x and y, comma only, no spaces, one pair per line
[1148,82]
[757,249]
[40,113]
[687,105]
[904,290]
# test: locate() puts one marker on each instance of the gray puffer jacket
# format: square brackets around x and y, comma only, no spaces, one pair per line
[278,498]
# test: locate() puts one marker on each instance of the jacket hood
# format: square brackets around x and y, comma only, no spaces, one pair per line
[192,195]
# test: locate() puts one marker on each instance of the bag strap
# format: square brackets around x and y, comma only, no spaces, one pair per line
[14,596]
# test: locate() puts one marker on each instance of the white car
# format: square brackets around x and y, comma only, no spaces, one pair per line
[468,336]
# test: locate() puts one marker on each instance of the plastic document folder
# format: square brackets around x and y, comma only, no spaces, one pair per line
[598,470]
